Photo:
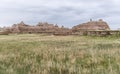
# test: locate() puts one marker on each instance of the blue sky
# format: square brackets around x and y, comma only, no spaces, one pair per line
[61,12]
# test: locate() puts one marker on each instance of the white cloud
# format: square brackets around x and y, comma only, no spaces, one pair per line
[63,12]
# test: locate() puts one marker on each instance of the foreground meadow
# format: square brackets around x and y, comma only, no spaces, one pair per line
[42,54]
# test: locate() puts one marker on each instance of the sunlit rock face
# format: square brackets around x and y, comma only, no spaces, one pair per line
[92,25]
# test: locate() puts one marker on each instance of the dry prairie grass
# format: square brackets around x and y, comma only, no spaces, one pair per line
[39,54]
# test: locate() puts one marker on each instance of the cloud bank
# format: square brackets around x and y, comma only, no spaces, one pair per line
[62,12]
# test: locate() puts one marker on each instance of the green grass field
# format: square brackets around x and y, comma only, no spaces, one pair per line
[42,54]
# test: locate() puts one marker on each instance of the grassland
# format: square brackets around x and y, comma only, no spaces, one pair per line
[42,54]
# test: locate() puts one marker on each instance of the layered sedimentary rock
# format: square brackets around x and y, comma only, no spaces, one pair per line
[90,26]
[39,28]
[84,28]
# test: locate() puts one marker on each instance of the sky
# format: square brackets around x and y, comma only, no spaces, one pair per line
[62,12]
